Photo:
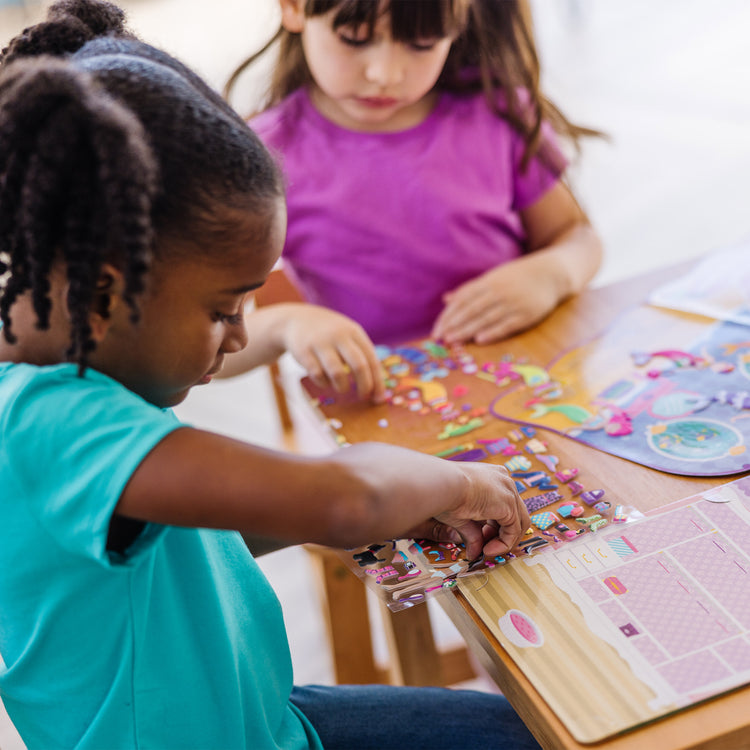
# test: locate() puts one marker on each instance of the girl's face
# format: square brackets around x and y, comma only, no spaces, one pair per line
[367,83]
[191,316]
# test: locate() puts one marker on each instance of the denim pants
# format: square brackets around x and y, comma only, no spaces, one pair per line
[378,717]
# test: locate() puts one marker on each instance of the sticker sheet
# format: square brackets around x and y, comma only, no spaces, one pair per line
[407,572]
[437,404]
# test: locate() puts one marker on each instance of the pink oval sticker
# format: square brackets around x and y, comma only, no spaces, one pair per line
[520,629]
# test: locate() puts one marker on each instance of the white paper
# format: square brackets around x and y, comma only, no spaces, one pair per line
[718,286]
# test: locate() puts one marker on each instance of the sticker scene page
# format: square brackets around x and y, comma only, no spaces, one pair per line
[650,617]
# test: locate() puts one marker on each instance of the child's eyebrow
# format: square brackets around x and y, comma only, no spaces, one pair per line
[243,289]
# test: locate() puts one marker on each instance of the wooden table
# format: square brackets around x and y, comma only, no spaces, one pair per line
[720,724]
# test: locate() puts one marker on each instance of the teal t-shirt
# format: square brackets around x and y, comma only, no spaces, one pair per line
[178,642]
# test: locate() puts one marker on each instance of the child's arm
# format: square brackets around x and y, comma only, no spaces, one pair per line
[334,350]
[357,495]
[564,253]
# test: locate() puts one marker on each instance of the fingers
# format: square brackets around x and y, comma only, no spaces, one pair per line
[436,531]
[496,330]
[342,363]
[507,517]
[471,533]
[485,322]
[501,537]
[457,321]
[366,369]
[468,533]
[481,539]
[490,517]
[478,317]
[487,325]
[349,361]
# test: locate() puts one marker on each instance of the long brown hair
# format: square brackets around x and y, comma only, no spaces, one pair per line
[493,52]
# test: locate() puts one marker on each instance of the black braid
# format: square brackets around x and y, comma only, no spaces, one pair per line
[104,152]
[75,169]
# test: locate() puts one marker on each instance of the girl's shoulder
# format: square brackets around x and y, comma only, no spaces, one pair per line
[278,122]
[57,389]
[495,103]
[476,113]
[62,377]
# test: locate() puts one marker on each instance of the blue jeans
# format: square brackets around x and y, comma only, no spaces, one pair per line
[374,717]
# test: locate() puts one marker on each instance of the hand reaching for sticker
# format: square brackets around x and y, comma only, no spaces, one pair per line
[492,496]
[413,495]
[335,351]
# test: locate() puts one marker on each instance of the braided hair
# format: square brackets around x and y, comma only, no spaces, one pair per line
[107,146]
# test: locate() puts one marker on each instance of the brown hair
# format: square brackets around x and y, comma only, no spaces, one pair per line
[493,52]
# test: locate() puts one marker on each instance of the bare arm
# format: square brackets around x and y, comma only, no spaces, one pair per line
[560,238]
[356,495]
[564,253]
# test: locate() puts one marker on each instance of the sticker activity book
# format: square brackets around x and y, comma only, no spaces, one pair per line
[649,614]
[666,389]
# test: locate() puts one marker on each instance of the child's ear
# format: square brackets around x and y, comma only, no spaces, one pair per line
[108,295]
[292,15]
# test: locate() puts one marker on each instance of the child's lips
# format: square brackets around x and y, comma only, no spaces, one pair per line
[210,374]
[377,102]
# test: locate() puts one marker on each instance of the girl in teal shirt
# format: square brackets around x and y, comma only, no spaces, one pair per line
[137,213]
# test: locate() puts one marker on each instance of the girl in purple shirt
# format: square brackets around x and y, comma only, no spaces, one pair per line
[424,178]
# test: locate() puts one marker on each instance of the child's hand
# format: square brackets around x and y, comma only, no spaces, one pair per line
[420,496]
[334,350]
[491,518]
[506,300]
[564,253]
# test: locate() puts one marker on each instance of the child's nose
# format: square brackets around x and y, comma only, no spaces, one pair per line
[235,338]
[385,66]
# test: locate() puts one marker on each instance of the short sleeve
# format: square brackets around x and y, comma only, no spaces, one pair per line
[278,126]
[543,170]
[75,443]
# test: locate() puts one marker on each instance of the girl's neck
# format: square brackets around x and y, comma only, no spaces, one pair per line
[33,345]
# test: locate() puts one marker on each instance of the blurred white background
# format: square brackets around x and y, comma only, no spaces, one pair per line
[667,80]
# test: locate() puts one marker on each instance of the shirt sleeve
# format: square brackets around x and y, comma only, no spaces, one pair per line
[269,126]
[543,170]
[76,443]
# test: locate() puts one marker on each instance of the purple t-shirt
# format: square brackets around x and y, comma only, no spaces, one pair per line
[381,225]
